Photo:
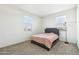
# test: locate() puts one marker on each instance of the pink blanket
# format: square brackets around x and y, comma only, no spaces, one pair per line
[45,38]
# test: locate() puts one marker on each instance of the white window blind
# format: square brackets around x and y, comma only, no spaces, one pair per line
[27,23]
[61,22]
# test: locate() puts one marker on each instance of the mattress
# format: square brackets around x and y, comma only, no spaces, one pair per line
[46,38]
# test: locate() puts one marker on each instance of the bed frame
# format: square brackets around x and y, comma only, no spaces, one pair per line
[48,30]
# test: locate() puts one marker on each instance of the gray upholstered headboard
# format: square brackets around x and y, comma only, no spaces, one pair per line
[52,30]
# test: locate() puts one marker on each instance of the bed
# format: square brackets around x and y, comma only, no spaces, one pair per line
[46,40]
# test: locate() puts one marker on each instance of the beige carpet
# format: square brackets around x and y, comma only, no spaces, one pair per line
[26,48]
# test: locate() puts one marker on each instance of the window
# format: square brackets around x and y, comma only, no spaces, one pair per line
[61,22]
[27,23]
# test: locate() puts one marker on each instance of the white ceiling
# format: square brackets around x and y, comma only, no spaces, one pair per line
[45,9]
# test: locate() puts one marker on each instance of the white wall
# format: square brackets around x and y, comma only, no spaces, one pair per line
[12,25]
[50,21]
[78,26]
